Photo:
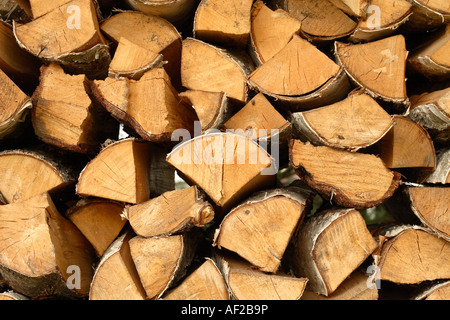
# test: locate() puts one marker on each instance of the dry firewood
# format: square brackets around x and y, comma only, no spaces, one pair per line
[212,108]
[20,66]
[355,287]
[259,229]
[132,60]
[270,31]
[411,254]
[152,33]
[14,109]
[441,175]
[436,291]
[153,114]
[209,68]
[115,276]
[64,115]
[98,220]
[378,67]
[122,171]
[170,213]
[300,75]
[41,250]
[422,205]
[432,111]
[353,123]
[321,20]
[69,35]
[432,58]
[205,283]
[260,121]
[382,23]
[329,247]
[355,8]
[11,295]
[161,262]
[347,178]
[25,174]
[246,283]
[227,166]
[223,22]
[407,145]
[176,11]
[428,15]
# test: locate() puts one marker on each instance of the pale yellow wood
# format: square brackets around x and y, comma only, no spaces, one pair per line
[297,69]
[39,7]
[225,22]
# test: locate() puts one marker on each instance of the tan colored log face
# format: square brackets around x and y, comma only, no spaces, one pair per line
[378,66]
[225,22]
[205,67]
[49,36]
[205,283]
[119,172]
[11,97]
[297,69]
[414,256]
[271,30]
[348,178]
[260,232]
[23,176]
[214,162]
[355,122]
[407,145]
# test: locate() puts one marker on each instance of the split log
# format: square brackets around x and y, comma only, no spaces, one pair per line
[428,15]
[442,173]
[209,68]
[351,124]
[270,32]
[64,115]
[153,33]
[227,166]
[246,283]
[411,254]
[383,23]
[321,20]
[131,102]
[260,121]
[14,109]
[98,220]
[432,111]
[205,283]
[422,205]
[355,8]
[300,75]
[176,11]
[408,145]
[355,287]
[378,67]
[432,58]
[132,60]
[329,247]
[259,229]
[436,291]
[25,174]
[212,108]
[11,295]
[41,250]
[172,212]
[122,171]
[67,34]
[347,178]
[161,262]
[20,66]
[223,22]
[115,276]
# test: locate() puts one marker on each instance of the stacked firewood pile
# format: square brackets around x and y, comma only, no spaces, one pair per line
[224,149]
